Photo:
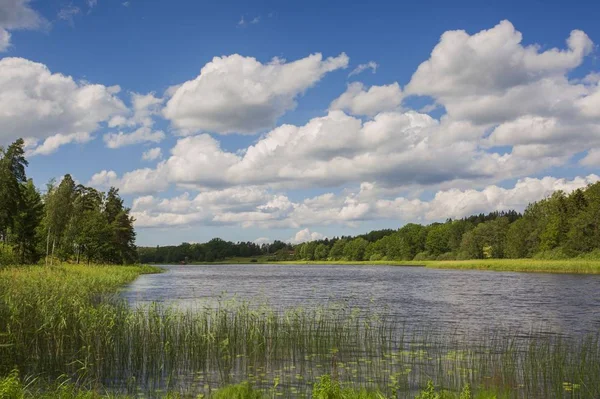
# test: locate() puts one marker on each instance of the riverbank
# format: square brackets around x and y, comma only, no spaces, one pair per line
[575,266]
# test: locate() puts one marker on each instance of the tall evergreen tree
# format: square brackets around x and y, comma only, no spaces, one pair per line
[27,220]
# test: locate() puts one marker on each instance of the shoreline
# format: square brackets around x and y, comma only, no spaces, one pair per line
[567,266]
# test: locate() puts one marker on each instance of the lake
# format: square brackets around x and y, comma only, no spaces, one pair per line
[458,300]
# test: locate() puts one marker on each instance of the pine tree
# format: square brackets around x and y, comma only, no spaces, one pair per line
[27,220]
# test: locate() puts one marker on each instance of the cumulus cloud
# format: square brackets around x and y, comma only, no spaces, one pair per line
[152,154]
[492,61]
[254,206]
[52,143]
[510,111]
[592,158]
[14,15]
[236,94]
[456,203]
[372,65]
[37,104]
[4,39]
[263,240]
[358,101]
[142,135]
[521,94]
[139,121]
[145,107]
[394,148]
[304,236]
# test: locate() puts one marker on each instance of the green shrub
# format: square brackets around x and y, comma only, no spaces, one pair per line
[424,256]
[7,256]
[553,254]
[594,255]
[447,256]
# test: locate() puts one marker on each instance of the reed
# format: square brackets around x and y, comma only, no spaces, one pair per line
[67,322]
[576,265]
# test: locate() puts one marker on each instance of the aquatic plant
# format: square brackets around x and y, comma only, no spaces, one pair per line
[66,322]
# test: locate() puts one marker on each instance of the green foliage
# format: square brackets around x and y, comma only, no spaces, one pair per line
[7,255]
[438,236]
[558,227]
[337,250]
[10,386]
[355,249]
[69,222]
[239,391]
[329,388]
[321,252]
[62,321]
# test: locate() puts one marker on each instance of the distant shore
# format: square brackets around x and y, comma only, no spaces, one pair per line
[577,266]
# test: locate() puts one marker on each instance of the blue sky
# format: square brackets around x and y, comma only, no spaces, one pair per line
[514,109]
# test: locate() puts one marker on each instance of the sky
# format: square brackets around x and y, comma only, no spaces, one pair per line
[257,121]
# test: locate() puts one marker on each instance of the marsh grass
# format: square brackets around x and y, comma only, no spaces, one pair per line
[65,322]
[578,265]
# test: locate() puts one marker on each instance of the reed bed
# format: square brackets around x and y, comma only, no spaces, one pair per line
[67,322]
[575,265]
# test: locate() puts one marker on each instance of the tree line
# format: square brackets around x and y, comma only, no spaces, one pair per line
[67,222]
[558,227]
[213,251]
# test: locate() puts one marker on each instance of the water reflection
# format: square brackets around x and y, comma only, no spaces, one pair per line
[442,299]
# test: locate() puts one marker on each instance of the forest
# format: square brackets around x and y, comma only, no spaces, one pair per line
[65,222]
[560,226]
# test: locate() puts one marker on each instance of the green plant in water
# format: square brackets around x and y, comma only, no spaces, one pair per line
[10,386]
[238,391]
[328,388]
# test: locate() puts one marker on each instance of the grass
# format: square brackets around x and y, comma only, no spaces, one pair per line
[11,387]
[66,324]
[580,266]
[577,266]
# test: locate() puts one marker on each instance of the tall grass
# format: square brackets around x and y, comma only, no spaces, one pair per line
[66,322]
[582,265]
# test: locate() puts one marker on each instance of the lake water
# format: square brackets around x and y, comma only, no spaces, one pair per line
[440,299]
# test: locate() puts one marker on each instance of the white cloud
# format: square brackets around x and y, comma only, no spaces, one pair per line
[592,158]
[456,203]
[14,15]
[4,39]
[37,104]
[525,108]
[358,101]
[68,13]
[52,143]
[263,240]
[304,236]
[105,178]
[152,154]
[142,135]
[490,78]
[252,206]
[372,65]
[144,108]
[492,61]
[394,148]
[236,94]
